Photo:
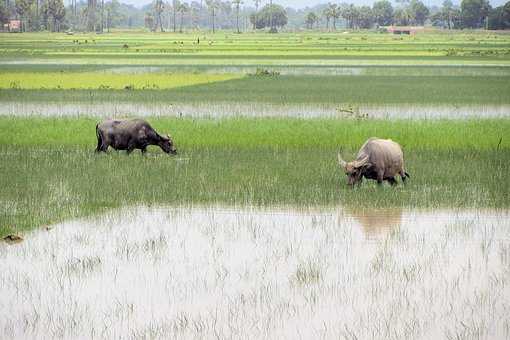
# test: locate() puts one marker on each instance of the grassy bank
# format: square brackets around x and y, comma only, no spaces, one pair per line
[50,173]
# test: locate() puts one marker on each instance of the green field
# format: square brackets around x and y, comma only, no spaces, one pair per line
[251,230]
[50,173]
[356,68]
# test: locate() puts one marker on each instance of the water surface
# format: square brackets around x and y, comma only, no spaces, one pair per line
[217,272]
[229,109]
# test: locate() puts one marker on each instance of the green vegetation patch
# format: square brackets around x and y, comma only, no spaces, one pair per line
[103,81]
[461,90]
[50,171]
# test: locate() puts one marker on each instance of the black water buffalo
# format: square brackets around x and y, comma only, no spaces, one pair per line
[379,159]
[130,134]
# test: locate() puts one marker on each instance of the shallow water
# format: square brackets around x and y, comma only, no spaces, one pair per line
[220,110]
[219,272]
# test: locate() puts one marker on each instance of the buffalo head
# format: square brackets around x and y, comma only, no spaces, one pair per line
[354,170]
[167,145]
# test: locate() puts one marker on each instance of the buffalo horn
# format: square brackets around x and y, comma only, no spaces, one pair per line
[342,163]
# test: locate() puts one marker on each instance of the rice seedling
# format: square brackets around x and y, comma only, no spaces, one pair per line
[86,80]
[284,90]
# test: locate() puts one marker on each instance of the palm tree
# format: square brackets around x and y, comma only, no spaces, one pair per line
[335,14]
[257,3]
[237,5]
[311,19]
[213,6]
[175,8]
[327,15]
[182,9]
[158,9]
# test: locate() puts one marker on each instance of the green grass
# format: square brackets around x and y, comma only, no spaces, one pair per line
[459,90]
[50,172]
[456,68]
[89,80]
[224,44]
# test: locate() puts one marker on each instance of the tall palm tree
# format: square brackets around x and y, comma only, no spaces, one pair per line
[183,9]
[175,7]
[237,5]
[213,7]
[334,12]
[257,4]
[158,10]
[327,15]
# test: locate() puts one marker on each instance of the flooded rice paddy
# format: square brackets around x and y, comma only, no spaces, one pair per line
[218,272]
[233,109]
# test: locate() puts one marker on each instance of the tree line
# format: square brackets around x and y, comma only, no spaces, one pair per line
[470,14]
[244,15]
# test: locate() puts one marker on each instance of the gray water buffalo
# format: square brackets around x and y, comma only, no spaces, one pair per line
[379,159]
[130,134]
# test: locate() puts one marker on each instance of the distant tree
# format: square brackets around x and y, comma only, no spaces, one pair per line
[4,14]
[54,13]
[22,10]
[91,15]
[149,20]
[237,6]
[213,6]
[447,16]
[403,16]
[175,8]
[447,12]
[365,17]
[158,7]
[474,13]
[349,13]
[195,14]
[271,16]
[505,15]
[311,19]
[326,13]
[113,15]
[499,17]
[418,11]
[383,13]
[58,13]
[183,9]
[334,12]
[254,21]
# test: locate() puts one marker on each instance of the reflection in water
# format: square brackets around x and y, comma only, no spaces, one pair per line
[261,274]
[377,222]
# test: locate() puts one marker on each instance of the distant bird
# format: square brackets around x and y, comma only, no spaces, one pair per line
[12,239]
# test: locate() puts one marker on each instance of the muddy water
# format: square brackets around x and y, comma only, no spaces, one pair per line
[221,110]
[251,273]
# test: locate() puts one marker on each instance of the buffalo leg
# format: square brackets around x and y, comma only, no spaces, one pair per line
[144,150]
[392,181]
[131,146]
[101,147]
[403,175]
[380,177]
[99,144]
